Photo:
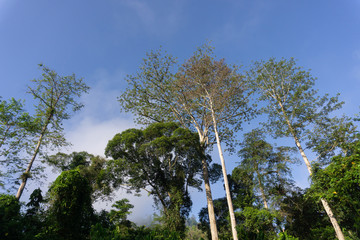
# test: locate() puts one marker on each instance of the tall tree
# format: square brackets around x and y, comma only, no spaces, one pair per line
[205,95]
[294,107]
[151,97]
[164,160]
[57,100]
[215,90]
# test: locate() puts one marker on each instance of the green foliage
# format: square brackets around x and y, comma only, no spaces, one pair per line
[286,236]
[148,94]
[10,218]
[222,219]
[332,134]
[295,109]
[70,205]
[267,168]
[305,218]
[291,97]
[204,95]
[15,126]
[339,183]
[34,218]
[91,167]
[122,211]
[64,162]
[16,129]
[133,233]
[163,159]
[194,233]
[256,220]
[56,98]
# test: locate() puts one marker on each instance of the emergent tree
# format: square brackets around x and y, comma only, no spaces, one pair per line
[152,98]
[212,90]
[294,108]
[57,100]
[209,105]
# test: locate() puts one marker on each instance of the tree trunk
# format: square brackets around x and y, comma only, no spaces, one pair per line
[226,183]
[324,202]
[210,204]
[262,191]
[25,176]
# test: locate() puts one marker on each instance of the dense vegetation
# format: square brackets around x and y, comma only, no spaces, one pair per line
[186,110]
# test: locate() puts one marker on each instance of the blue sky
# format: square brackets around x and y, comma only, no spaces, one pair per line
[103,41]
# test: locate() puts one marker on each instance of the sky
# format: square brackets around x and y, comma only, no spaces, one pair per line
[104,41]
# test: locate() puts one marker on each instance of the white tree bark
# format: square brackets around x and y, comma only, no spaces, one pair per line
[324,202]
[226,182]
[210,203]
[27,171]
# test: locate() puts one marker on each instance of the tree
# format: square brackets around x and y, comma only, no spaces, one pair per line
[150,97]
[93,168]
[164,160]
[56,96]
[122,211]
[268,167]
[71,205]
[209,105]
[118,217]
[218,92]
[293,107]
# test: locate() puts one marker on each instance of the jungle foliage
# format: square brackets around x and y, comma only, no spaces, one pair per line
[185,110]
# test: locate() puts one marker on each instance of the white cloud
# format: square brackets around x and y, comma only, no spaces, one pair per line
[100,119]
[143,206]
[92,136]
[92,128]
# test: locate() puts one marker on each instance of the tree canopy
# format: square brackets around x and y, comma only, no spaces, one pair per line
[164,160]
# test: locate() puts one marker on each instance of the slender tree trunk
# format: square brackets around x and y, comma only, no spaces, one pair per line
[324,202]
[28,169]
[226,183]
[25,176]
[262,191]
[210,204]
